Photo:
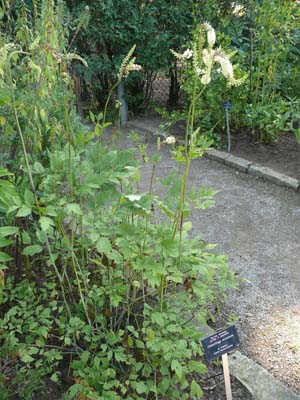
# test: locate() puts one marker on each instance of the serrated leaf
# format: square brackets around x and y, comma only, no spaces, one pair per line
[158,318]
[5,96]
[5,172]
[4,242]
[54,377]
[46,223]
[8,230]
[177,368]
[24,211]
[196,390]
[29,198]
[103,245]
[140,387]
[32,250]
[38,168]
[73,208]
[4,257]
[43,331]
[26,358]
[197,366]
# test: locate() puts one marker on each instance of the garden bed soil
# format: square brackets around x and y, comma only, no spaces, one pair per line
[282,156]
[214,387]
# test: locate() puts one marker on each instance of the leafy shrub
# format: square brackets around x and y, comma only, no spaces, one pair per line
[97,278]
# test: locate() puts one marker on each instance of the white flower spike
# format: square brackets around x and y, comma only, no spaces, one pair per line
[211,34]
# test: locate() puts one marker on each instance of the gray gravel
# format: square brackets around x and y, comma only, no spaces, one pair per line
[255,223]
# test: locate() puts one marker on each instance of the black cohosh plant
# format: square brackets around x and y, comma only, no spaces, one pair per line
[94,288]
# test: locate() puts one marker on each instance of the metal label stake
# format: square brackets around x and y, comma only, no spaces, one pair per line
[227,106]
[226,376]
[219,344]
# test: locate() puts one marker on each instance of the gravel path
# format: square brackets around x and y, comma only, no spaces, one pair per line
[257,225]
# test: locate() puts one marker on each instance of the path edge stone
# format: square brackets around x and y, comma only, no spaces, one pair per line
[238,163]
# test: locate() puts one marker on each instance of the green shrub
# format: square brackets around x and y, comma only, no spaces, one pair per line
[101,280]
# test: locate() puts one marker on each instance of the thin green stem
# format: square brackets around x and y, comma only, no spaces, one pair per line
[108,100]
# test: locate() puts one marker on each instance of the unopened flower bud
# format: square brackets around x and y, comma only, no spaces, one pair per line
[170,140]
[211,37]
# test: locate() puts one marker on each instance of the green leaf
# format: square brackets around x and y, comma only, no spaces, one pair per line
[26,358]
[85,357]
[8,230]
[29,198]
[197,366]
[24,211]
[4,172]
[158,318]
[73,208]
[38,168]
[5,96]
[140,387]
[164,384]
[177,368]
[43,331]
[54,377]
[169,247]
[196,390]
[103,245]
[46,223]
[32,250]
[4,242]
[4,257]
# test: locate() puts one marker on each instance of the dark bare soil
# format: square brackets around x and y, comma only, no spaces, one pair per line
[214,388]
[282,156]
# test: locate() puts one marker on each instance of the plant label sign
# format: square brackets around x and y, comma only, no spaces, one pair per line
[227,105]
[220,343]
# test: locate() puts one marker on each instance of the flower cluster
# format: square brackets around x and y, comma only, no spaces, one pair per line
[204,60]
[128,64]
[238,9]
[170,140]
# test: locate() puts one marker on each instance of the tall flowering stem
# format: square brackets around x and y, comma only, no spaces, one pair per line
[128,65]
[198,64]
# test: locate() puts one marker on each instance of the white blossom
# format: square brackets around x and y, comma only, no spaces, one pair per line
[170,140]
[211,34]
[205,80]
[203,62]
[135,67]
[211,37]
[238,9]
[187,54]
[206,57]
[226,68]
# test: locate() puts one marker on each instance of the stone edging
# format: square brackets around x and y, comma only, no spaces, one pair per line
[251,168]
[238,163]
[260,383]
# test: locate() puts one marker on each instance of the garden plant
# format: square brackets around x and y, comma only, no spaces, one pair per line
[103,288]
[266,47]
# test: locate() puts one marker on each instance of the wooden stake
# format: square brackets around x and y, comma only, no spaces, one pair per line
[226,377]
